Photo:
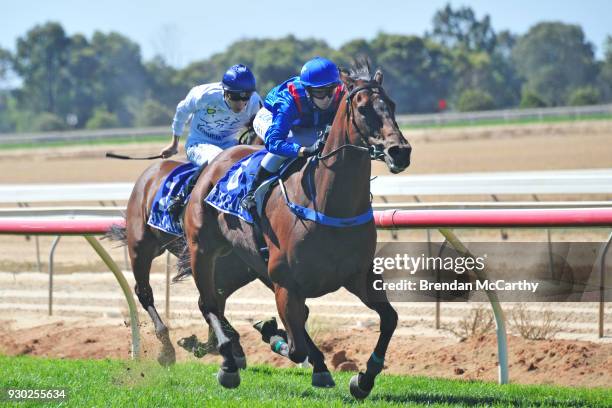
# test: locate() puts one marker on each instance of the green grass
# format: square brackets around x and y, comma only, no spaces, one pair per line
[116,383]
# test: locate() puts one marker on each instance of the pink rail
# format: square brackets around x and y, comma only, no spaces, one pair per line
[541,217]
[558,217]
[36,226]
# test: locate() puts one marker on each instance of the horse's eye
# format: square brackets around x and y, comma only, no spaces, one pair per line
[370,116]
[365,109]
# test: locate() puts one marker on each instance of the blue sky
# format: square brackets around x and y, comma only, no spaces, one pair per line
[187,30]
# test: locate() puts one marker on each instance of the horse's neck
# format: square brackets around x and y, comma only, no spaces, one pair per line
[342,182]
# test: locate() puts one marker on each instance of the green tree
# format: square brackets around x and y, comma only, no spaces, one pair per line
[102,119]
[461,29]
[7,123]
[163,83]
[491,73]
[276,60]
[40,60]
[152,113]
[481,58]
[604,79]
[586,95]
[554,58]
[417,72]
[475,100]
[530,99]
[6,63]
[46,121]
[119,75]
[82,68]
[353,49]
[271,60]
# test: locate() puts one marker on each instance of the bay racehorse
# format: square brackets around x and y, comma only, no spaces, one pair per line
[307,259]
[145,243]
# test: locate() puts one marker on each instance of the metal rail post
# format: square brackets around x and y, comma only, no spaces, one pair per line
[502,342]
[602,280]
[51,254]
[134,324]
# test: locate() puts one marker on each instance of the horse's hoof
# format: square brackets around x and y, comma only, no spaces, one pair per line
[227,379]
[355,390]
[188,343]
[240,362]
[267,328]
[323,379]
[167,357]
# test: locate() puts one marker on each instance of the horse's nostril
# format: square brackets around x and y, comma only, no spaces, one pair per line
[393,151]
[400,154]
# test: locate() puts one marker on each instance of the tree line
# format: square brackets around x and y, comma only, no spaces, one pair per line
[461,64]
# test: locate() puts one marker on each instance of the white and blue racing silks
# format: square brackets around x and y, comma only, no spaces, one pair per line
[212,120]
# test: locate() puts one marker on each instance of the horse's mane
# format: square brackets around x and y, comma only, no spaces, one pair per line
[360,69]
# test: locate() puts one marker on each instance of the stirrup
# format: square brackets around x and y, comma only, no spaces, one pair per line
[248,201]
[175,207]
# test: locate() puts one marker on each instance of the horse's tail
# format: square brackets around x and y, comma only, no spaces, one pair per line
[183,265]
[118,233]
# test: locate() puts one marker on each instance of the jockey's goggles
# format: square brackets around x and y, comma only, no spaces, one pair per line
[322,92]
[239,96]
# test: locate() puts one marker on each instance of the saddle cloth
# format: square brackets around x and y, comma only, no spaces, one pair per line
[172,184]
[234,186]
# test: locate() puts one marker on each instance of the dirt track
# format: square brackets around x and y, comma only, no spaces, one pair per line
[529,147]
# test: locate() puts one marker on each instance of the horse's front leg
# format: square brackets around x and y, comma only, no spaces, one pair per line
[291,309]
[361,385]
[321,377]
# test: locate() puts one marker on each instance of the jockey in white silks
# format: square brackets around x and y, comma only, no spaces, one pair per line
[218,112]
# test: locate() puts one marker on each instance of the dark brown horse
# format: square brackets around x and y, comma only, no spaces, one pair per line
[307,259]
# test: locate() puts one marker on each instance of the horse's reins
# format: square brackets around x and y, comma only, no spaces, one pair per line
[374,151]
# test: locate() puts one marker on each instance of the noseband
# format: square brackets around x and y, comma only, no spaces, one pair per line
[375,151]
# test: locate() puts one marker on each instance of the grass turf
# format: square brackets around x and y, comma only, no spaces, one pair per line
[144,383]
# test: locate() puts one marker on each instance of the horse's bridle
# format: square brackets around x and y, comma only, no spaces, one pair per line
[375,151]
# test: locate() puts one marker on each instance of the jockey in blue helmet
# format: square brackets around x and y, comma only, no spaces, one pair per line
[219,111]
[294,114]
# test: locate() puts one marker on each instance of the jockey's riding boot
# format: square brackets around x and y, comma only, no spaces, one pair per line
[177,203]
[248,202]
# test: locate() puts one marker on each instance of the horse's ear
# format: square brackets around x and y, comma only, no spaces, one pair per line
[378,77]
[345,77]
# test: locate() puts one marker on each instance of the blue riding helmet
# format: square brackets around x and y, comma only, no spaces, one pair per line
[238,78]
[319,72]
